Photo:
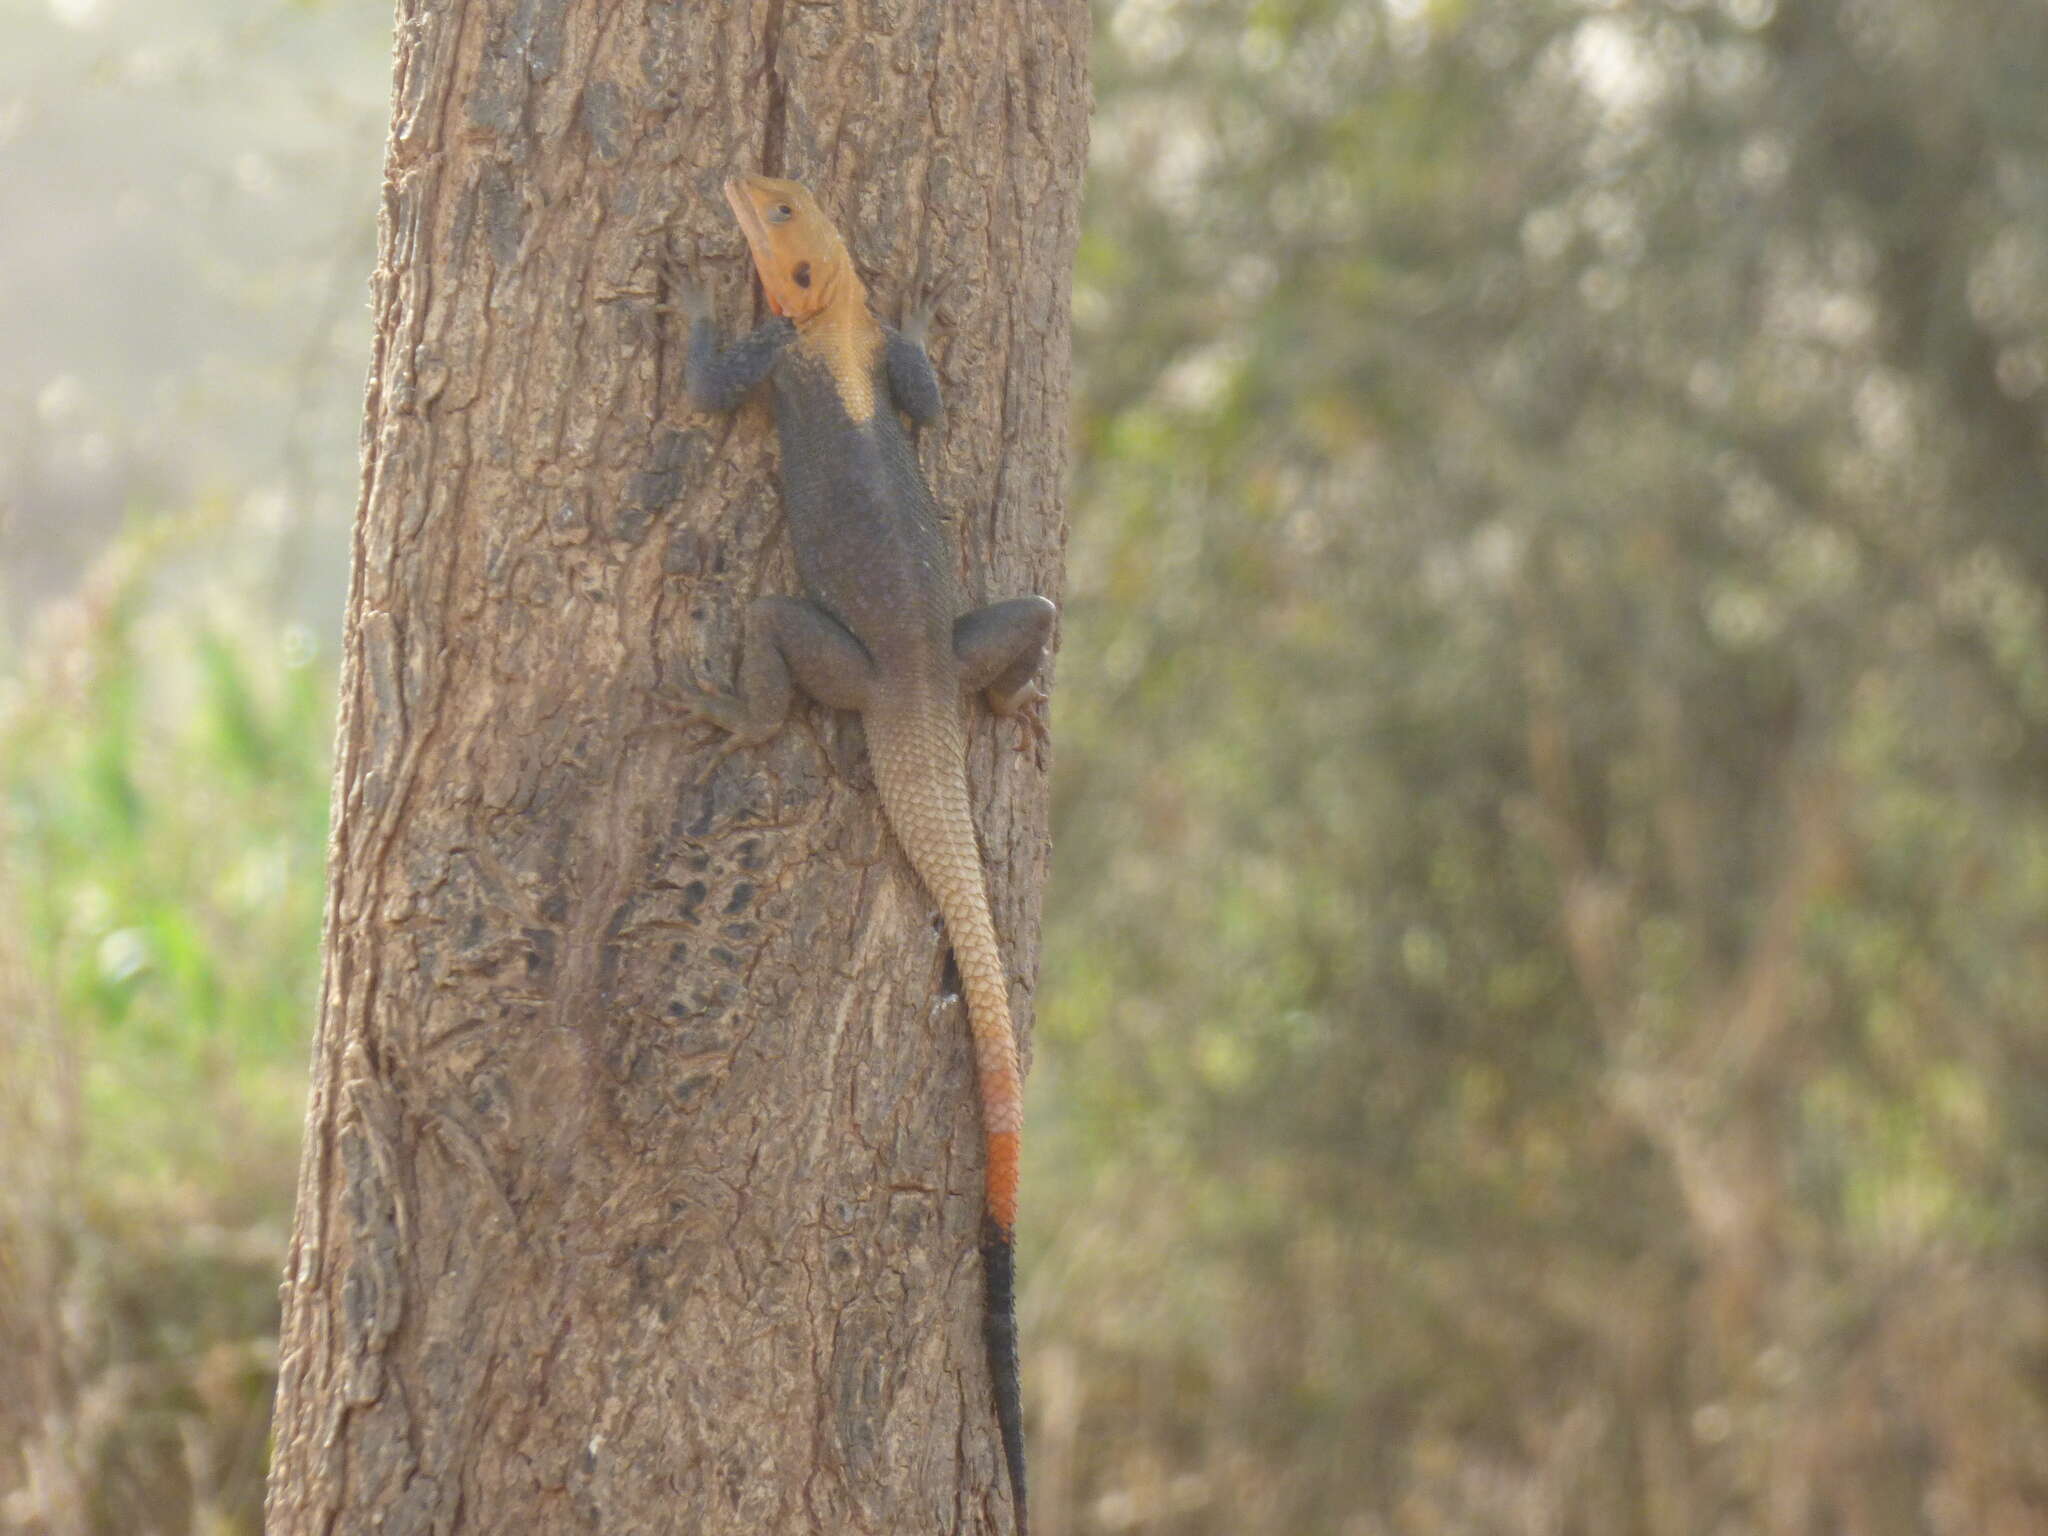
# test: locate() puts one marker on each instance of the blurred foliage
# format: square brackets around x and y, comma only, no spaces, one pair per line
[166,811]
[1549,939]
[163,804]
[190,192]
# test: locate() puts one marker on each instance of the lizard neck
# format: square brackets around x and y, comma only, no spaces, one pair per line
[844,337]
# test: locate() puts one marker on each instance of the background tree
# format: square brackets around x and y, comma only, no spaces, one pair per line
[637,1193]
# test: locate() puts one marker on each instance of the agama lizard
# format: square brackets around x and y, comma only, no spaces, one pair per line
[881,630]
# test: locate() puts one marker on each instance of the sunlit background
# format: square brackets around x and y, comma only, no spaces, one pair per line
[1545,1022]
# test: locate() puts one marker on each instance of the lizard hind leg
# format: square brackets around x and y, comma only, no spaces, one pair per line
[1000,650]
[790,643]
[1001,647]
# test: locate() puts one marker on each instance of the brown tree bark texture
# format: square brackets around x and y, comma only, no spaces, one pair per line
[641,1181]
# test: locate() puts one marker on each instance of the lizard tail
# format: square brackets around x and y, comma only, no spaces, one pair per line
[999,1333]
[921,769]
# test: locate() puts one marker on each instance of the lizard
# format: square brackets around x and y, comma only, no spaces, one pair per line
[882,629]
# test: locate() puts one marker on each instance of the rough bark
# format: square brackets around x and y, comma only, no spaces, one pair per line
[641,1179]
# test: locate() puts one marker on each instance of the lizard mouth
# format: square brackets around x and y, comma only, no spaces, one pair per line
[755,228]
[743,207]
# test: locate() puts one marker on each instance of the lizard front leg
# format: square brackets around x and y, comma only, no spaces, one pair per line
[913,382]
[719,378]
[791,643]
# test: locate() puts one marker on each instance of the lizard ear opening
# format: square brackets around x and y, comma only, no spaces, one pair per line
[802,274]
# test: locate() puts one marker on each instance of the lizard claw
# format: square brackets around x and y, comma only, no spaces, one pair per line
[1034,735]
[714,709]
[688,294]
[925,297]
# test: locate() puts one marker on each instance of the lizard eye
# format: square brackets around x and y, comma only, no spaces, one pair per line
[781,213]
[802,274]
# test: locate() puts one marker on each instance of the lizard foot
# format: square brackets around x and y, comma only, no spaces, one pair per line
[698,706]
[688,295]
[927,295]
[1027,708]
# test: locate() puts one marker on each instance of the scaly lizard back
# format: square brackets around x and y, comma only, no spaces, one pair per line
[882,631]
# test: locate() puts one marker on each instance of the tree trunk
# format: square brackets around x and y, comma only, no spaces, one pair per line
[642,1173]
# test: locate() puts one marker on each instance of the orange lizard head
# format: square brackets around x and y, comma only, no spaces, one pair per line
[803,263]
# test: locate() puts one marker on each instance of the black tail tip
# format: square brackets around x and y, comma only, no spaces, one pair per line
[999,1330]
